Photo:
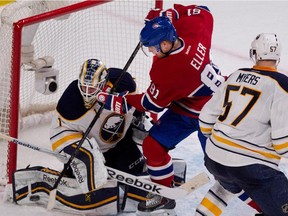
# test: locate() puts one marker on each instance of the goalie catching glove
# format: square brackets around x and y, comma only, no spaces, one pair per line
[115,102]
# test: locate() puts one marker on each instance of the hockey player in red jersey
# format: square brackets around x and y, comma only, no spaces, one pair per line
[183,79]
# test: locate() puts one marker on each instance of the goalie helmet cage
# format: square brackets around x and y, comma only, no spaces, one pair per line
[69,32]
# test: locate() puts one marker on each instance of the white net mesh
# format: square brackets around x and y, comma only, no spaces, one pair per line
[109,32]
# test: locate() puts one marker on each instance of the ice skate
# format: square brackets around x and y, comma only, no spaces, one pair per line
[156,205]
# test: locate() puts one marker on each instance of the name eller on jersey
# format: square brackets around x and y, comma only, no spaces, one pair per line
[198,59]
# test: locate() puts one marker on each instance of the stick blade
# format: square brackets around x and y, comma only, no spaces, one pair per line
[196,182]
[52,199]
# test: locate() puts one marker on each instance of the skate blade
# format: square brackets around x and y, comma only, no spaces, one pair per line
[160,212]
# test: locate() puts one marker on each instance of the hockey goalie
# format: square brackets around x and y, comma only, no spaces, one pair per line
[114,140]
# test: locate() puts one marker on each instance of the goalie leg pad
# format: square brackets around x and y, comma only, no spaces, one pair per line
[31,186]
[132,196]
[88,165]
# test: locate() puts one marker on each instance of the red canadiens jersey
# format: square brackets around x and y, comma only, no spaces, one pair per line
[182,81]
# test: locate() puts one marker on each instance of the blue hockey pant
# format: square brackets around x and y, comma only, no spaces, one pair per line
[266,186]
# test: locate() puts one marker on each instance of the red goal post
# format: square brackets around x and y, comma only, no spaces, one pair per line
[67,33]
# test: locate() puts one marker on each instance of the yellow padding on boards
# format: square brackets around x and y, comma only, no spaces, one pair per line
[6,2]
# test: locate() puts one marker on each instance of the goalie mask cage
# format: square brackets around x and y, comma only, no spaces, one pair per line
[69,32]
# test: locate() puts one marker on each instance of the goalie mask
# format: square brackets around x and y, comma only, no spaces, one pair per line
[91,80]
[265,46]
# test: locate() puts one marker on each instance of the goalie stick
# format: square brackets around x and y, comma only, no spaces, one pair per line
[135,181]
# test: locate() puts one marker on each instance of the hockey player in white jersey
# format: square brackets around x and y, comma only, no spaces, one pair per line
[246,125]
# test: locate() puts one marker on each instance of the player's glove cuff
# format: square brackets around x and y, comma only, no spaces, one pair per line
[114,102]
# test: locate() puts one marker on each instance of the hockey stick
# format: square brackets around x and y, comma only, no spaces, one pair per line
[132,180]
[33,147]
[144,184]
[52,195]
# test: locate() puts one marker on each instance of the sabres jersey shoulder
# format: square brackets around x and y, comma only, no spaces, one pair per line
[278,77]
[71,106]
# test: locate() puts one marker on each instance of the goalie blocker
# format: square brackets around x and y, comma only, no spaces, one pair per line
[31,186]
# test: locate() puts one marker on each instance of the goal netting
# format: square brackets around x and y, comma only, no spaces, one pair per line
[68,32]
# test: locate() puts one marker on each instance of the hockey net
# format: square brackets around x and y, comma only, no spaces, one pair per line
[68,32]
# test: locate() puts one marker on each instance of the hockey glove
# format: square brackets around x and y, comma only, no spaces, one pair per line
[114,102]
[153,13]
[171,13]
